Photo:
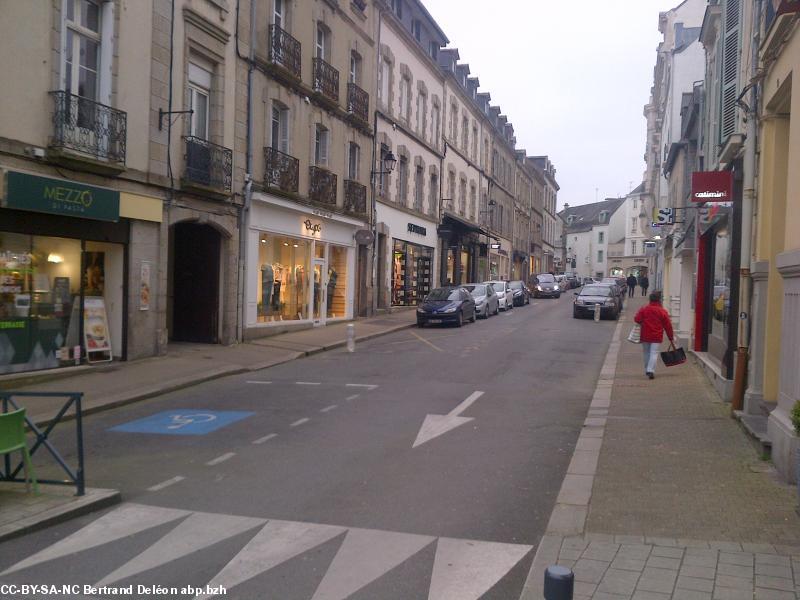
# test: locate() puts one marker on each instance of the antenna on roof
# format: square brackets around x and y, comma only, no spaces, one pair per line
[596,190]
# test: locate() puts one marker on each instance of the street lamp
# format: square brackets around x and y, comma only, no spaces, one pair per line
[388,162]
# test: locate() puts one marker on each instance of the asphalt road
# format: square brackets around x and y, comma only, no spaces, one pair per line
[318,490]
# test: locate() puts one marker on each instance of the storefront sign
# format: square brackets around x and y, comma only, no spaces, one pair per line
[417,229]
[322,213]
[311,227]
[494,246]
[61,197]
[712,186]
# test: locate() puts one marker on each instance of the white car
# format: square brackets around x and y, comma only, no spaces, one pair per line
[505,295]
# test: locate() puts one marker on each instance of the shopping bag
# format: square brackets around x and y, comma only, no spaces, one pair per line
[635,335]
[673,356]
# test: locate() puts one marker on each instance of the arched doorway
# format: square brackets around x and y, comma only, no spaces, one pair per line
[195,283]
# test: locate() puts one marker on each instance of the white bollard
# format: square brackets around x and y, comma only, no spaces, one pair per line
[596,313]
[351,337]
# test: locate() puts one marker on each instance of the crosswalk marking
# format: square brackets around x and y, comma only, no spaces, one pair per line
[359,562]
[199,531]
[276,543]
[466,569]
[125,521]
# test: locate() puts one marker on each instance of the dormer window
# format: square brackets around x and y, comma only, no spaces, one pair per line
[397,8]
[416,29]
[603,216]
[571,220]
[433,50]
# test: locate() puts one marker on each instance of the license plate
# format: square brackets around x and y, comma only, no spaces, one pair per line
[434,320]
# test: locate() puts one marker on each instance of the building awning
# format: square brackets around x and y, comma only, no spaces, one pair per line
[459,223]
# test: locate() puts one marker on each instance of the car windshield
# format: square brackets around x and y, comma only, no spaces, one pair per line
[608,280]
[545,278]
[476,290]
[444,294]
[596,290]
[497,285]
[515,285]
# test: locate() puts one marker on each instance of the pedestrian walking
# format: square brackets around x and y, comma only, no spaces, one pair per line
[631,281]
[644,283]
[654,321]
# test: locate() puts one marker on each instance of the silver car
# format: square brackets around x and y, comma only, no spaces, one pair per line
[505,294]
[486,300]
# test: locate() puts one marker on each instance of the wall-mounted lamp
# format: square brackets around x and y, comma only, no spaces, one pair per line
[388,163]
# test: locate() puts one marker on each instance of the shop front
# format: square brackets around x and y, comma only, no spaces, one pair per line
[463,251]
[300,266]
[500,259]
[63,271]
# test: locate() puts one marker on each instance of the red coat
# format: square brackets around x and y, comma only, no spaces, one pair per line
[654,321]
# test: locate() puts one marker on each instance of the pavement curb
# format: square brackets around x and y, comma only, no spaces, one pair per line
[95,499]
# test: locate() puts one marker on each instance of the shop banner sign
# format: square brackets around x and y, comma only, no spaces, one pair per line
[712,186]
[60,197]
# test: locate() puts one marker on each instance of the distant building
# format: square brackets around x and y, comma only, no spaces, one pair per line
[588,230]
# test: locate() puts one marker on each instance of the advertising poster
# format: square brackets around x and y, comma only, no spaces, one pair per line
[94,276]
[144,287]
[95,329]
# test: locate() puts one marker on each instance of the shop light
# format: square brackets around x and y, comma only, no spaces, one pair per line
[285,243]
[55,258]
[296,245]
[263,240]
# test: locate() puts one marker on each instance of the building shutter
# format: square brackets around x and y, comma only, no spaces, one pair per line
[730,69]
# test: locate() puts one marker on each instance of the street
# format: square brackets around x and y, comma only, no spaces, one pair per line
[423,465]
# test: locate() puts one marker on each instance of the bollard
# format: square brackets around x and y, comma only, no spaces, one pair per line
[596,313]
[559,583]
[351,337]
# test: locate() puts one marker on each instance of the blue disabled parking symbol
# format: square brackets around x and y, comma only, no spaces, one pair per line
[184,422]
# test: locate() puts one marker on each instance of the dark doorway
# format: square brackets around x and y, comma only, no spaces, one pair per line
[195,283]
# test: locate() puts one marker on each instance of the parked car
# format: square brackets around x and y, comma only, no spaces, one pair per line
[546,286]
[486,301]
[446,305]
[618,292]
[561,280]
[588,280]
[594,294]
[504,294]
[520,293]
[572,280]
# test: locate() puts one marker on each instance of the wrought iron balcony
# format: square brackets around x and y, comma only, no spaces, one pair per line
[89,128]
[355,197]
[208,164]
[281,171]
[357,102]
[322,186]
[326,79]
[284,50]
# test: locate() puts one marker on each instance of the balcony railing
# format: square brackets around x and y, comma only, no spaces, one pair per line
[355,197]
[208,164]
[284,50]
[357,102]
[281,171]
[326,79]
[322,186]
[88,127]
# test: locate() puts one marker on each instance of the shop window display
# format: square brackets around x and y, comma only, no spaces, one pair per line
[411,270]
[337,282]
[721,300]
[283,278]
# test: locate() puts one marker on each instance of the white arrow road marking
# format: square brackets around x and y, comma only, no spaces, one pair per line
[366,555]
[125,521]
[436,425]
[465,569]
[199,531]
[276,543]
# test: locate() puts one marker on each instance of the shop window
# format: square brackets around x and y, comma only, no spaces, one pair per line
[283,291]
[721,302]
[411,273]
[337,282]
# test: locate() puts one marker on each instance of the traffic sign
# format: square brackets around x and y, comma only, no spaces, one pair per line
[184,422]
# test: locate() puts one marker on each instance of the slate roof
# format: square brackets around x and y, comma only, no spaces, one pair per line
[588,215]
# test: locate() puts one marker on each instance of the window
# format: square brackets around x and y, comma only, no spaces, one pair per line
[353,161]
[433,50]
[462,197]
[474,143]
[354,76]
[383,177]
[603,216]
[405,98]
[82,49]
[435,126]
[280,128]
[633,248]
[601,237]
[473,200]
[451,188]
[464,133]
[199,91]
[634,224]
[634,203]
[433,193]
[397,8]
[323,42]
[403,173]
[386,76]
[419,183]
[422,110]
[454,123]
[321,140]
[599,256]
[416,29]
[278,14]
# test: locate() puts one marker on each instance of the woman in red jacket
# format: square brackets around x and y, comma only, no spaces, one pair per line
[654,321]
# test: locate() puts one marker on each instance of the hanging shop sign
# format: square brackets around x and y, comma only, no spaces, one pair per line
[60,197]
[712,186]
[418,229]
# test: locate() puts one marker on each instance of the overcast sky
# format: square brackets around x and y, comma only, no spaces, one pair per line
[572,76]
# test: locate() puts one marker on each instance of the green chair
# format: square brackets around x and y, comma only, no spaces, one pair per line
[12,438]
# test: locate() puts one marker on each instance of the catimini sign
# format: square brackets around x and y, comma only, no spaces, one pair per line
[712,186]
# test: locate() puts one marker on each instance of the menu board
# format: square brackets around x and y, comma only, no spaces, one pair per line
[95,330]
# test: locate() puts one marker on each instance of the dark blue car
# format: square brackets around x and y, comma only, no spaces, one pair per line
[446,305]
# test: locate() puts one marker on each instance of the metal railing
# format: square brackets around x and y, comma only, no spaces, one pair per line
[88,127]
[357,102]
[75,476]
[322,186]
[281,171]
[326,79]
[284,50]
[208,164]
[355,197]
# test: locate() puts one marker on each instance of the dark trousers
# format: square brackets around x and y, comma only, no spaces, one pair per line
[644,291]
[631,289]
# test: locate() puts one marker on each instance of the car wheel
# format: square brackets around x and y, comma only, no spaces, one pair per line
[474,317]
[460,319]
[575,314]
[558,296]
[497,309]
[420,324]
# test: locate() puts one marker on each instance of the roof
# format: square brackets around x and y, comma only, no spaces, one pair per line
[638,190]
[587,216]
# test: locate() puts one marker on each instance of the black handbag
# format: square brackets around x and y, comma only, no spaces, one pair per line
[673,356]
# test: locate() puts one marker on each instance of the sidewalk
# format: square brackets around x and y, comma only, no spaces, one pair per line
[666,497]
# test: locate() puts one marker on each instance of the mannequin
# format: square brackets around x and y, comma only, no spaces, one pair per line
[267,284]
[332,277]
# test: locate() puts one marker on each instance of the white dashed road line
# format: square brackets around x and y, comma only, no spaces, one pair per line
[266,438]
[299,422]
[361,385]
[353,397]
[307,383]
[221,459]
[167,483]
[260,382]
[329,408]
